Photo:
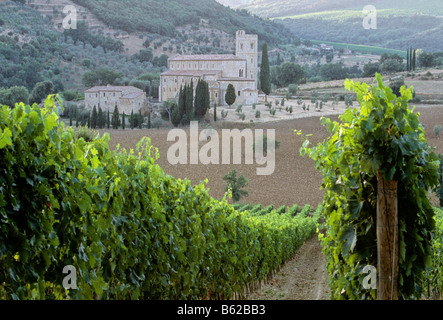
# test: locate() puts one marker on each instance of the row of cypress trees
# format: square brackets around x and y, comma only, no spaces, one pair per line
[411,59]
[189,107]
[98,119]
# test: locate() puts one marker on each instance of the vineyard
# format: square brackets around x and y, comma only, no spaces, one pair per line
[130,230]
[134,232]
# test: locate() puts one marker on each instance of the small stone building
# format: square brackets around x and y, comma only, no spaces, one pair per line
[127,98]
[218,70]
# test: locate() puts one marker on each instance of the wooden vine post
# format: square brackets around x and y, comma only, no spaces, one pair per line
[387,239]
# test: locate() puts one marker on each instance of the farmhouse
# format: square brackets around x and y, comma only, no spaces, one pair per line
[220,70]
[127,98]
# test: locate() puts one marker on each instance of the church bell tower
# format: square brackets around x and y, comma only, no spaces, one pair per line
[246,47]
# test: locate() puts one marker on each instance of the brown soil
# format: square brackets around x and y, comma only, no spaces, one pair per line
[304,277]
[294,181]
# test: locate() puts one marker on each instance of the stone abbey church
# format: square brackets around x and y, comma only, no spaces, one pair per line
[219,70]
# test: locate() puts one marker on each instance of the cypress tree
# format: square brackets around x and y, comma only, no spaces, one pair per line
[140,122]
[94,118]
[108,121]
[131,119]
[101,122]
[76,116]
[230,95]
[70,118]
[189,102]
[124,121]
[215,111]
[181,102]
[115,118]
[408,60]
[89,120]
[175,117]
[199,100]
[413,59]
[265,73]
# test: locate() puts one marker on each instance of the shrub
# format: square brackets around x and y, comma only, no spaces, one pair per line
[235,185]
[257,114]
[86,134]
[437,130]
[157,123]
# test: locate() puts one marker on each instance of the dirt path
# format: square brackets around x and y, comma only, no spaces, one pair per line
[304,277]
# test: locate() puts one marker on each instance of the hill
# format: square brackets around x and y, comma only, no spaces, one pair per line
[131,37]
[400,24]
[149,16]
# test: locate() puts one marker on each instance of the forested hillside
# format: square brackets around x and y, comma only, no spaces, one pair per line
[157,17]
[130,38]
[400,24]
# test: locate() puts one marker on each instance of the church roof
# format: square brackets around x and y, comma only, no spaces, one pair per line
[193,73]
[113,89]
[205,57]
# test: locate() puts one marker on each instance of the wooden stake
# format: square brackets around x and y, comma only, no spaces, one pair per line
[387,239]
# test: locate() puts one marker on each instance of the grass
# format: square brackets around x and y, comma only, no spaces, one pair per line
[362,48]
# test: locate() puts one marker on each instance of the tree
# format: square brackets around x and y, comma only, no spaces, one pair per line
[145,55]
[414,59]
[333,71]
[230,95]
[265,73]
[370,69]
[131,119]
[396,85]
[123,121]
[189,103]
[41,91]
[287,73]
[100,77]
[391,66]
[215,112]
[162,61]
[13,95]
[115,118]
[176,116]
[182,102]
[101,119]
[108,121]
[236,185]
[426,60]
[201,102]
[168,106]
[94,118]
